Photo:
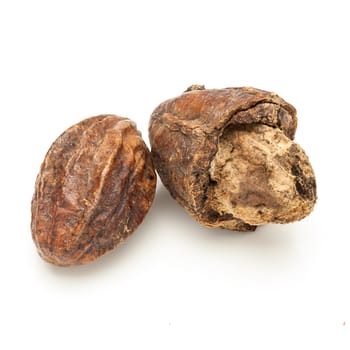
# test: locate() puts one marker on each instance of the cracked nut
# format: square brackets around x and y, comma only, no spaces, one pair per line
[94,188]
[228,157]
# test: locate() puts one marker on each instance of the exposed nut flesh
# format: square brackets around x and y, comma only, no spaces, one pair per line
[261,176]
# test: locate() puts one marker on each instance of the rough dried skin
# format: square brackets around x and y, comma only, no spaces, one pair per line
[228,158]
[95,186]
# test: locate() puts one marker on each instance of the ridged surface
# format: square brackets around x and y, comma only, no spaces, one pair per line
[95,186]
[185,134]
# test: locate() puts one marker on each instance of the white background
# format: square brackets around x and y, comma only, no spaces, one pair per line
[175,284]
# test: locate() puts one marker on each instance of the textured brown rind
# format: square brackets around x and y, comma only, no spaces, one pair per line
[95,186]
[185,133]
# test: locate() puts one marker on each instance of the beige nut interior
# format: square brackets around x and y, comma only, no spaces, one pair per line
[260,176]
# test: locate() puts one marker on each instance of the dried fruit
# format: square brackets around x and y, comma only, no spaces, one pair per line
[228,158]
[95,186]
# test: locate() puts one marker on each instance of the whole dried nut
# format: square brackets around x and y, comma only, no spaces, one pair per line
[227,156]
[95,186]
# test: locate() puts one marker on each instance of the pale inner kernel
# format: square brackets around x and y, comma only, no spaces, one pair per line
[260,176]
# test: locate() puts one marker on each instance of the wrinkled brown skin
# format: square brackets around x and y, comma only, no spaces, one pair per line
[94,188]
[184,135]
